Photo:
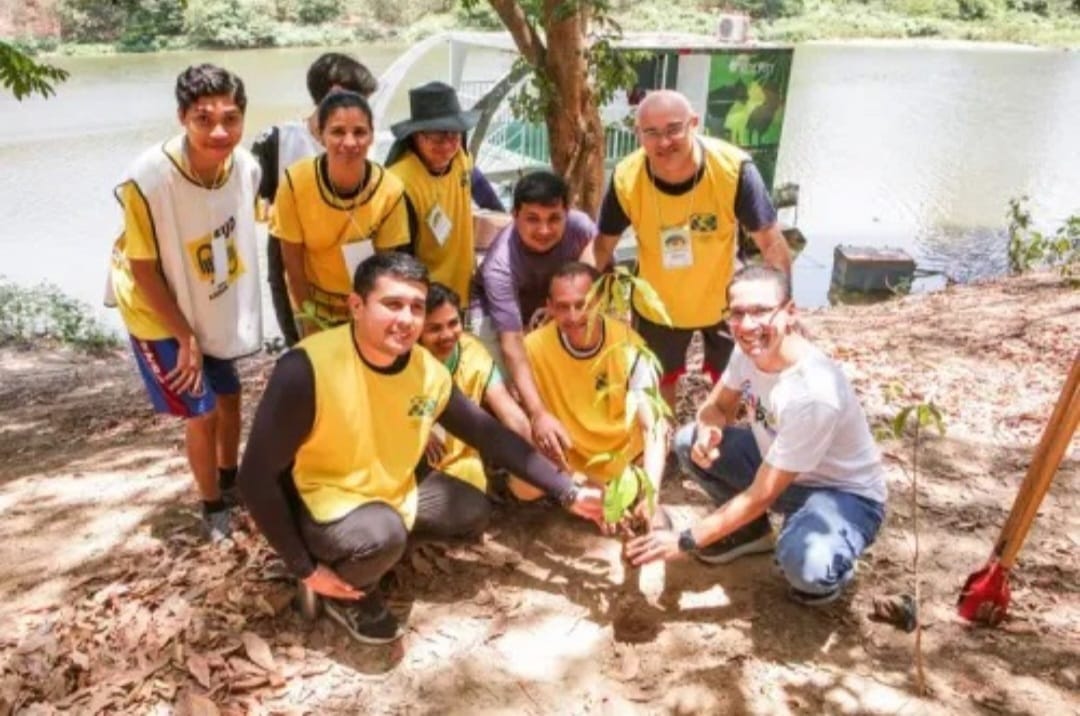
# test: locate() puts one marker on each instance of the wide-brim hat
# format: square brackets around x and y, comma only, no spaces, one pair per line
[435,108]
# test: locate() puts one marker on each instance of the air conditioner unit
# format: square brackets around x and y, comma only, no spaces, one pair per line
[733,28]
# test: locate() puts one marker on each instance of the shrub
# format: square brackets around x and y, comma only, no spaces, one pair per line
[45,312]
[230,23]
[316,12]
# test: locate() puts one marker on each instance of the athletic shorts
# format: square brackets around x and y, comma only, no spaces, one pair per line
[157,358]
[670,344]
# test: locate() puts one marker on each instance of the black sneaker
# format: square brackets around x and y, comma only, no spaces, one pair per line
[814,600]
[366,620]
[754,538]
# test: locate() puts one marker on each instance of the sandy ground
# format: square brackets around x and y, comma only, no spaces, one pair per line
[110,603]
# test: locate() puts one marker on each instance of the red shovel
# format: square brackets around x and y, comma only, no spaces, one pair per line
[985,595]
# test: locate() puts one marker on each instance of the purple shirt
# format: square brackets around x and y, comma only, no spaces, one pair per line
[512,283]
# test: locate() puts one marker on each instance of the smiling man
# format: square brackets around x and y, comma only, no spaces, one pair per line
[512,286]
[685,196]
[808,453]
[185,276]
[328,472]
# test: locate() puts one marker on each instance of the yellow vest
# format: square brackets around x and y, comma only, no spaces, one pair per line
[472,375]
[307,212]
[452,261]
[695,296]
[588,395]
[370,428]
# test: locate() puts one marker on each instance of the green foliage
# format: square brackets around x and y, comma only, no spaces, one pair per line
[149,25]
[92,20]
[230,24]
[477,15]
[23,76]
[625,492]
[45,312]
[315,12]
[1029,248]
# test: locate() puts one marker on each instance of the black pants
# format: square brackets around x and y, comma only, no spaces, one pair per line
[279,292]
[367,542]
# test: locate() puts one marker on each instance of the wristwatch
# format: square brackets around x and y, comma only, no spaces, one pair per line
[568,498]
[687,543]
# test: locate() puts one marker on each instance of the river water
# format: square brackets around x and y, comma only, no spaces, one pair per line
[917,147]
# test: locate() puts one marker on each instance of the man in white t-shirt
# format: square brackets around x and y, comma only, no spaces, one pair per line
[808,455]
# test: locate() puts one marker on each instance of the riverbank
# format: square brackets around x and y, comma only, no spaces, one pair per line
[115,605]
[1047,24]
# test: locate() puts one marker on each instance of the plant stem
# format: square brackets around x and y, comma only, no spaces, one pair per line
[920,674]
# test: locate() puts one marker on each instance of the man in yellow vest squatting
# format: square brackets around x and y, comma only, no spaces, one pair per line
[184,275]
[475,375]
[329,469]
[685,196]
[586,368]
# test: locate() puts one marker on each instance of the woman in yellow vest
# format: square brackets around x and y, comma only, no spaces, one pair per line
[333,211]
[441,183]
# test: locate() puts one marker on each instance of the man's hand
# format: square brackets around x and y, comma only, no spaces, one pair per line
[187,376]
[551,437]
[706,448]
[435,450]
[657,545]
[589,503]
[326,582]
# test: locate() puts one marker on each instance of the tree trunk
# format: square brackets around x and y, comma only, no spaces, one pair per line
[573,119]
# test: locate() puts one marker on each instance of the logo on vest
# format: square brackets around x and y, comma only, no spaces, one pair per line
[464,180]
[601,382]
[422,407]
[704,222]
[201,255]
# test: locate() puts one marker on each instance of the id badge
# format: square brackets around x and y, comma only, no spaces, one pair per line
[219,250]
[354,252]
[676,248]
[439,223]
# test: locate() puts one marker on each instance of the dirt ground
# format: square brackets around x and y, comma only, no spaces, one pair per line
[110,603]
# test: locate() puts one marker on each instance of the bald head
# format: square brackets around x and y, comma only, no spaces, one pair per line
[663,106]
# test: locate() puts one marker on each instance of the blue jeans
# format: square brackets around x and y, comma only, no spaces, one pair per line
[824,531]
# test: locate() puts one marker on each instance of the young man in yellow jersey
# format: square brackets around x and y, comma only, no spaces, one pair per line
[329,469]
[185,275]
[685,196]
[476,375]
[586,367]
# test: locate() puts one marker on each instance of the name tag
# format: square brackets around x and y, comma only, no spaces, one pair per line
[219,250]
[355,252]
[439,223]
[676,247]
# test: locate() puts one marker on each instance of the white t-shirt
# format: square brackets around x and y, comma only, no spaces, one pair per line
[295,142]
[807,419]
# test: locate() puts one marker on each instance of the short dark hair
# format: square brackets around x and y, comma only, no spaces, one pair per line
[337,68]
[571,269]
[343,99]
[438,295]
[388,263]
[763,273]
[541,187]
[207,80]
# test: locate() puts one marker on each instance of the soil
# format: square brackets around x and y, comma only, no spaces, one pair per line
[111,603]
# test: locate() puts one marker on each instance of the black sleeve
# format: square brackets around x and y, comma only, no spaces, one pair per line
[283,419]
[483,193]
[753,207]
[414,226]
[265,149]
[467,421]
[613,220]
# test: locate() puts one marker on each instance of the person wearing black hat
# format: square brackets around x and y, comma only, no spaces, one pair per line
[441,183]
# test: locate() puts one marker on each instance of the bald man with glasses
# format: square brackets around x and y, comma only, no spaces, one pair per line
[685,195]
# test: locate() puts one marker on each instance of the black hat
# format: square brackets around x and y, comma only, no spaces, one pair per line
[435,108]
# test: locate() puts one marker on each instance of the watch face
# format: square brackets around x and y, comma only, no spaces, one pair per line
[686,541]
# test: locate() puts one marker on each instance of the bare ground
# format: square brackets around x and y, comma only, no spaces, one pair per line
[110,603]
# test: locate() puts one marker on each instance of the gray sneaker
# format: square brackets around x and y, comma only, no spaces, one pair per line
[366,620]
[814,600]
[217,525]
[754,538]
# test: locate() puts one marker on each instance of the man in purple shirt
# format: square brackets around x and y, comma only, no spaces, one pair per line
[511,287]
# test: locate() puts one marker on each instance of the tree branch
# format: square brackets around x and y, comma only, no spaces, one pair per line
[527,39]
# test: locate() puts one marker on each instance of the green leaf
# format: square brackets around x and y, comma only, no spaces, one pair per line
[620,495]
[651,301]
[900,421]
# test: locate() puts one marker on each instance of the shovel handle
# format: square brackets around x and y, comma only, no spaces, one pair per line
[1048,455]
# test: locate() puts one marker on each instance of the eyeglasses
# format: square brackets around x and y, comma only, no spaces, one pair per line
[675,130]
[758,313]
[439,137]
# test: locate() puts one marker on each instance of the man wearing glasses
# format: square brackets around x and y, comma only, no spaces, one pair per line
[684,196]
[808,453]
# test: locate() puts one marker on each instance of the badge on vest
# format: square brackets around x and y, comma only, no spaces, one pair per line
[676,249]
[354,252]
[439,223]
